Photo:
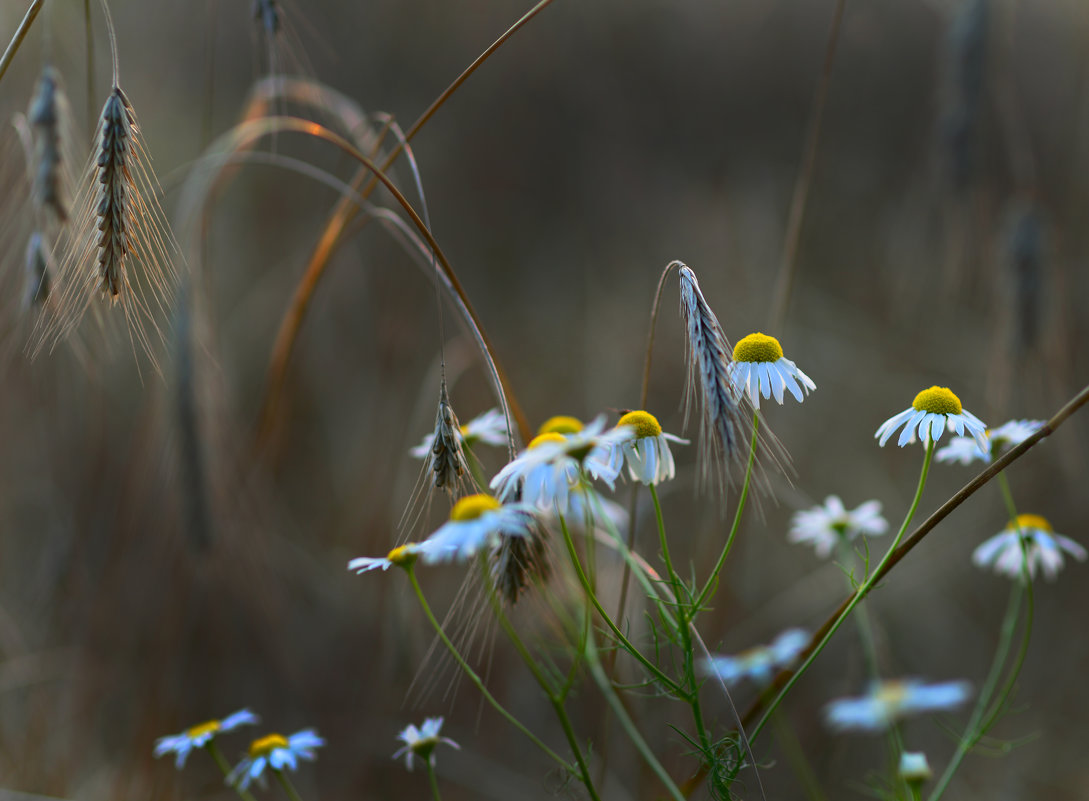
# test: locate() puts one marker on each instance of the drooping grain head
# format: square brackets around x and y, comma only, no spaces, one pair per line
[49,114]
[268,15]
[446,459]
[112,208]
[517,562]
[37,276]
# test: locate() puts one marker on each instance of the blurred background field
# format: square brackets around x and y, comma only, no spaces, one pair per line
[944,242]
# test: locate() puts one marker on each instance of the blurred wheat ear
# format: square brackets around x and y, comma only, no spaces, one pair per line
[51,117]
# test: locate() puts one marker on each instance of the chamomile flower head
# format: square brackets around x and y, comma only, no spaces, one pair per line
[561,424]
[760,663]
[489,428]
[276,752]
[759,368]
[932,412]
[200,735]
[914,768]
[826,525]
[554,464]
[1026,544]
[476,522]
[966,450]
[403,556]
[647,453]
[421,742]
[888,701]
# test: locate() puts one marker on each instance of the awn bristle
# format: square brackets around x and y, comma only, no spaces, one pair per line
[516,561]
[708,355]
[45,114]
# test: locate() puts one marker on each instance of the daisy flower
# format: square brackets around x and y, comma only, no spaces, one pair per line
[403,556]
[199,736]
[761,662]
[274,751]
[914,769]
[476,522]
[554,464]
[489,428]
[932,412]
[759,368]
[888,701]
[965,450]
[561,424]
[421,742]
[1043,549]
[824,526]
[647,453]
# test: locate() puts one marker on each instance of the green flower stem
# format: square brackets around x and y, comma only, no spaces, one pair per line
[285,782]
[433,781]
[712,580]
[796,758]
[635,652]
[221,761]
[606,686]
[860,593]
[674,579]
[476,680]
[1007,496]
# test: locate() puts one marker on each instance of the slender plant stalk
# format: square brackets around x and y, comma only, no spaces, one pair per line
[788,265]
[20,34]
[225,768]
[433,780]
[285,782]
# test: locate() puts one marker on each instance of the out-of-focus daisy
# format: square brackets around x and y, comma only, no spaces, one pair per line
[888,701]
[199,736]
[647,454]
[826,525]
[476,522]
[545,473]
[932,412]
[402,556]
[966,450]
[759,368]
[489,428]
[277,752]
[761,662]
[1043,549]
[561,424]
[421,742]
[914,769]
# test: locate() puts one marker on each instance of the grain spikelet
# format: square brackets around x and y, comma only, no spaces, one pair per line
[446,460]
[50,115]
[38,279]
[120,246]
[518,561]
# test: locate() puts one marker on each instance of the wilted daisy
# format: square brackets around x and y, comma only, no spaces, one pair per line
[476,522]
[761,662]
[554,464]
[826,525]
[199,736]
[277,752]
[421,742]
[966,450]
[759,368]
[932,412]
[647,453]
[489,428]
[888,701]
[402,556]
[1043,548]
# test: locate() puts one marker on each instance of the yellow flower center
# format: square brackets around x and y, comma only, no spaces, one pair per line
[891,694]
[402,555]
[1025,522]
[937,400]
[560,424]
[267,744]
[645,424]
[548,436]
[473,506]
[758,348]
[211,727]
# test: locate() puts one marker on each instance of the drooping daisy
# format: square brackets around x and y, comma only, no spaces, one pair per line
[825,526]
[199,736]
[647,453]
[402,556]
[489,428]
[276,752]
[932,412]
[760,663]
[546,472]
[966,450]
[1043,549]
[421,742]
[759,368]
[476,522]
[888,701]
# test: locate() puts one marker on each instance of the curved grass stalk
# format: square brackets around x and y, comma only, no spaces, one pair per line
[20,34]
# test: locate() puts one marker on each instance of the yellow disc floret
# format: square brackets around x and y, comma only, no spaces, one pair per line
[267,744]
[548,436]
[758,348]
[560,424]
[210,727]
[937,400]
[403,555]
[645,424]
[473,506]
[1025,522]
